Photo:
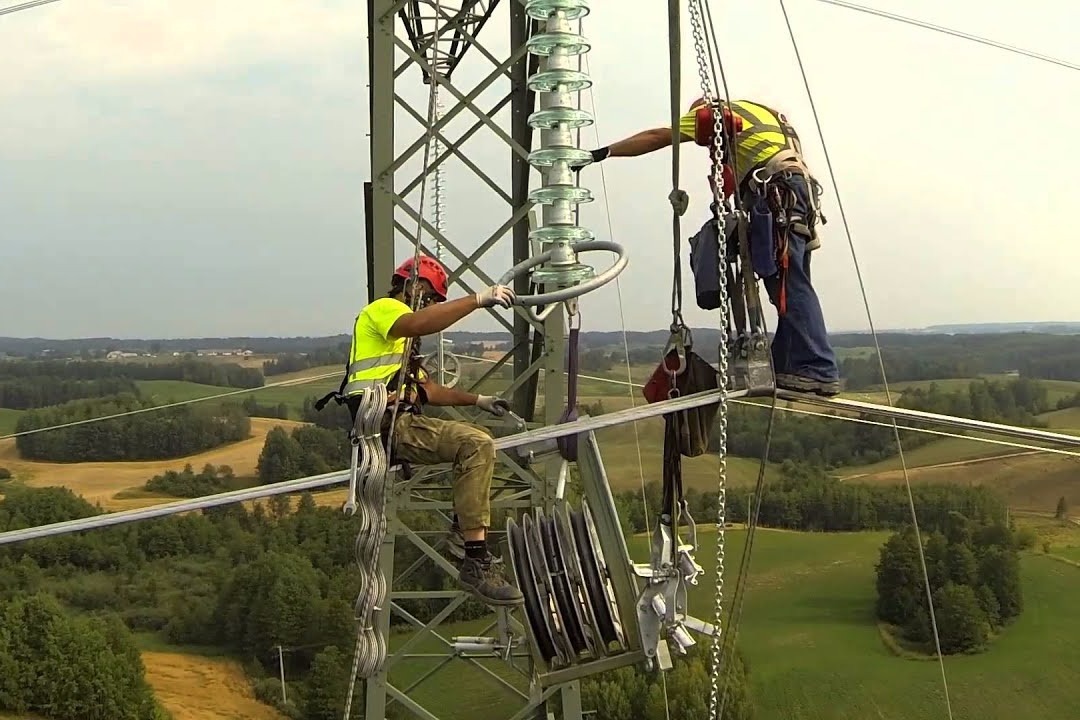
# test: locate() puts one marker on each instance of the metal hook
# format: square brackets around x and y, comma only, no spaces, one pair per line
[679,341]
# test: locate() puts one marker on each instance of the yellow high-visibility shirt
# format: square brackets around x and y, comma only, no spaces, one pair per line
[375,355]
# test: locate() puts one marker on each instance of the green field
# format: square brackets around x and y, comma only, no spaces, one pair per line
[165,391]
[8,418]
[813,646]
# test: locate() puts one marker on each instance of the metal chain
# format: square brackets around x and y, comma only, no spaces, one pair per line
[717,157]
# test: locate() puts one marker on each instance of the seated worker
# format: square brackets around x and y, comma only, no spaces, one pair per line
[775,183]
[376,356]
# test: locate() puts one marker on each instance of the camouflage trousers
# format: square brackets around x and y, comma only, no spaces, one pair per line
[427,441]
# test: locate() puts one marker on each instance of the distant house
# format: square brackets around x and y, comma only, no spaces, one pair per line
[118,354]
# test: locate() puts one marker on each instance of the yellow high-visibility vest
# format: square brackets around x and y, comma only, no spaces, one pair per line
[374,356]
[764,133]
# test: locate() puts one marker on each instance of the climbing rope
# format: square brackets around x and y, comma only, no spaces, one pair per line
[881,361]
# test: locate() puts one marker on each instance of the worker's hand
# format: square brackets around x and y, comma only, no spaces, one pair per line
[597,155]
[496,295]
[494,405]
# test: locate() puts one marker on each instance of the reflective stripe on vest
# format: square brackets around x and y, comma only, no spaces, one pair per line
[764,134]
[366,372]
[365,369]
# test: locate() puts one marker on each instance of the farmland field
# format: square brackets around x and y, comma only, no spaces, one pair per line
[111,483]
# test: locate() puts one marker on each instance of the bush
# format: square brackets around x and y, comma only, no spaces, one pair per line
[5,474]
[187,483]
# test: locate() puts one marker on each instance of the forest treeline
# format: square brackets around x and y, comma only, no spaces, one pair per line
[805,497]
[832,443]
[160,434]
[196,371]
[316,357]
[38,391]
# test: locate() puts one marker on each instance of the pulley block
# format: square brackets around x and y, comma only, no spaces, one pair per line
[570,607]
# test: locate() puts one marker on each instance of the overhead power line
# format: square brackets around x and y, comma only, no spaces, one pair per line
[25,6]
[955,33]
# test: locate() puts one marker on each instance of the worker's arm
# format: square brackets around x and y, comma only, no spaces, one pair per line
[442,396]
[644,142]
[434,318]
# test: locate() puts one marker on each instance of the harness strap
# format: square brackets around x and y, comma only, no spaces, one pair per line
[568,447]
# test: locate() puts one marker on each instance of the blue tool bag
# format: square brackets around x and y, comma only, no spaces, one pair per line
[705,262]
[762,239]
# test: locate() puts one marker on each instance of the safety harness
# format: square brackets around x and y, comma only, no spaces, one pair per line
[413,374]
[767,200]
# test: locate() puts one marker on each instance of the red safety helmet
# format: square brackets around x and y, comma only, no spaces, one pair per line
[430,269]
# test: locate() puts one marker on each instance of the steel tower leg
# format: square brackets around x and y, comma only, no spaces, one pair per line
[402,33]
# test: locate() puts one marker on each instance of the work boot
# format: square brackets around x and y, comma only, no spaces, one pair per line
[484,579]
[797,383]
[455,542]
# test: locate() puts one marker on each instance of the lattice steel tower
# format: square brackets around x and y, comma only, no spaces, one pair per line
[426,40]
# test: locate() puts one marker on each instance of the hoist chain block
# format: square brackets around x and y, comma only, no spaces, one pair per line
[367,495]
[750,364]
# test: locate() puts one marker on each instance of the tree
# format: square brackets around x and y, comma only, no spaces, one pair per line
[999,570]
[281,458]
[962,624]
[327,684]
[1062,511]
[631,694]
[899,579]
[70,668]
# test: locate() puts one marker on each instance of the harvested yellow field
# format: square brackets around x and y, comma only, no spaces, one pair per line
[204,688]
[100,482]
[1028,481]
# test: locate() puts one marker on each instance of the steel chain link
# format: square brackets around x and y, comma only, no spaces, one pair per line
[717,173]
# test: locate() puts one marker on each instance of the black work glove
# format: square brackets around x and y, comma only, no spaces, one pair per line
[597,156]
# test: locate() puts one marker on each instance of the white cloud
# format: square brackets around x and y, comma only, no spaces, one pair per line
[101,42]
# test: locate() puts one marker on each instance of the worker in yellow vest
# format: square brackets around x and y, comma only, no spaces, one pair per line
[771,182]
[378,344]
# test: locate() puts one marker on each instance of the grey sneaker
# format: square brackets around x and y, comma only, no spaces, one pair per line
[795,383]
[455,542]
[485,579]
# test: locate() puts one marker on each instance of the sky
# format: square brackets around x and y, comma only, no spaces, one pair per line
[196,169]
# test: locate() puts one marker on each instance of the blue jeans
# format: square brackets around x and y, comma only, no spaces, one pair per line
[800,344]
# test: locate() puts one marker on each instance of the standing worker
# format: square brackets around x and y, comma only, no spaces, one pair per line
[777,190]
[379,338]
